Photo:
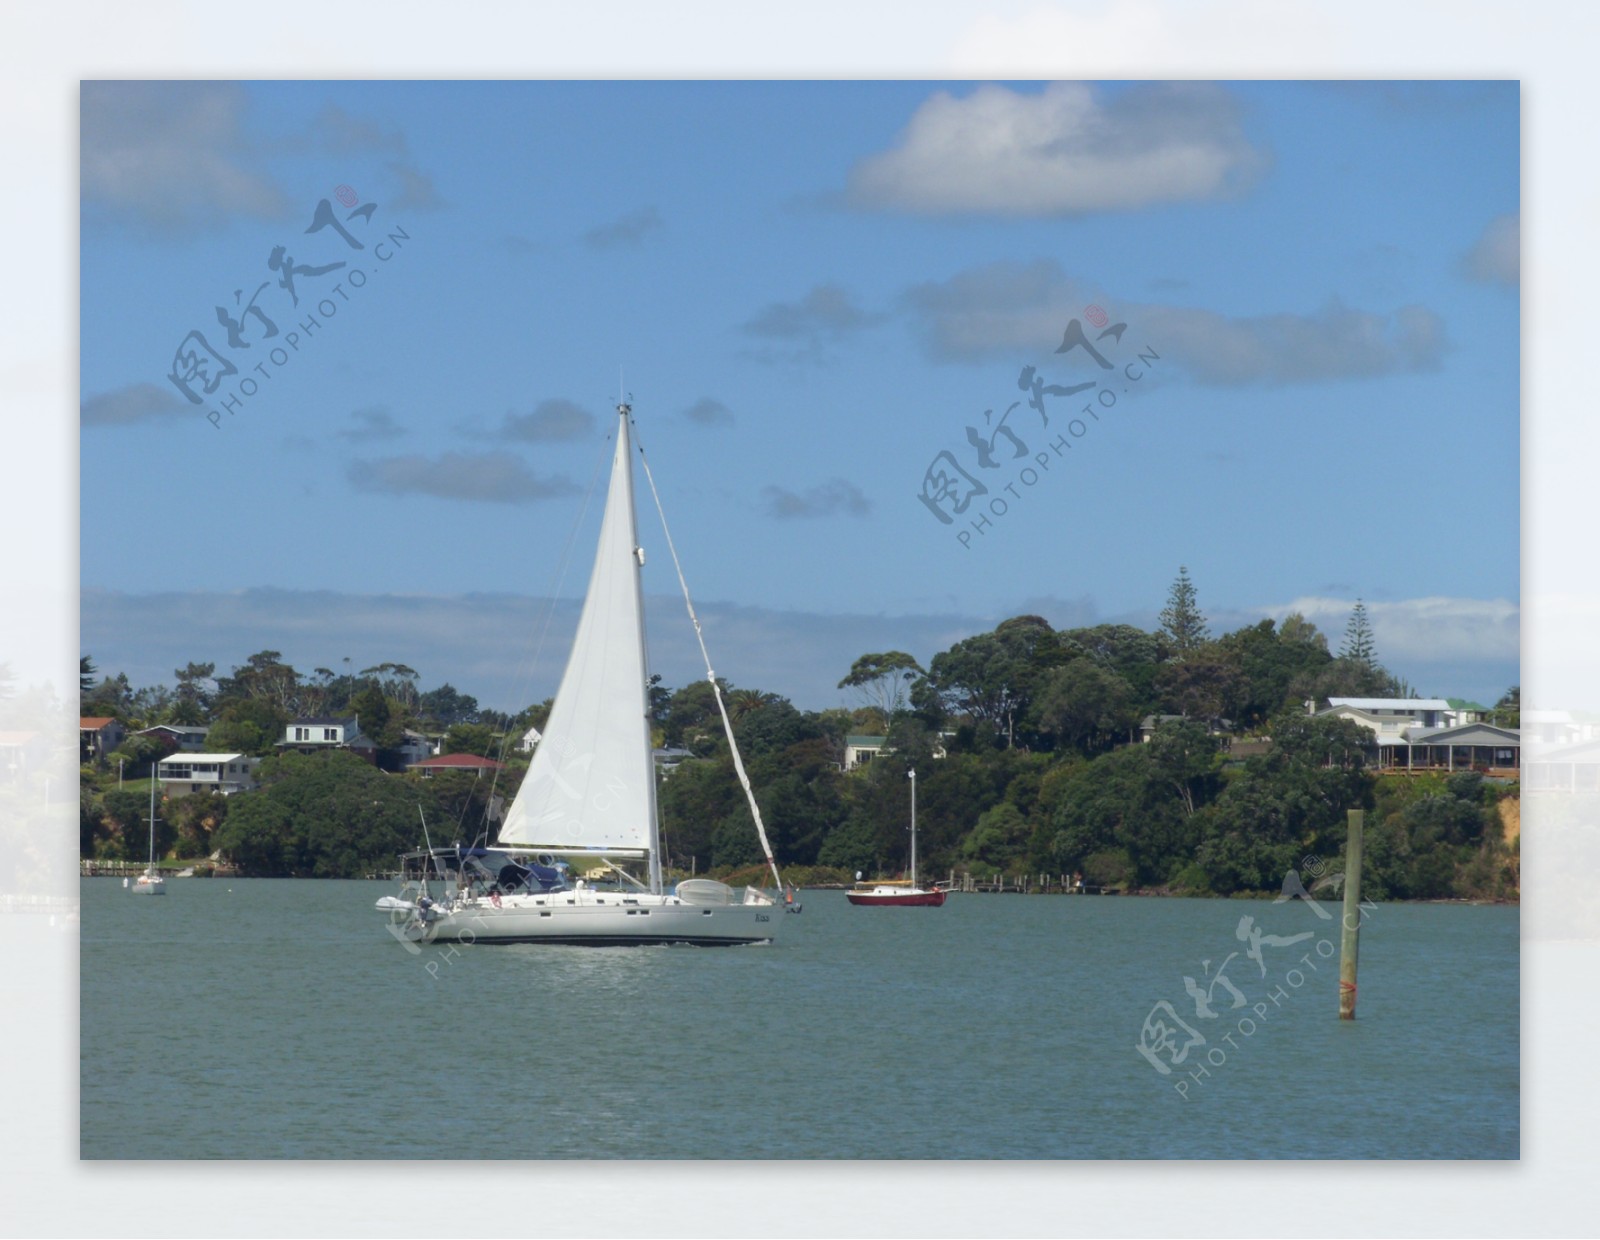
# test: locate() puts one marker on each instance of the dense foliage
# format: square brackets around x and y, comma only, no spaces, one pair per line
[1166,760]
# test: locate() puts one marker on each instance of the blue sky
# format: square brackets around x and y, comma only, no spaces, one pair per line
[811,289]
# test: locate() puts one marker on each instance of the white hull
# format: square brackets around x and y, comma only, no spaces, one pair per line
[588,918]
[147,887]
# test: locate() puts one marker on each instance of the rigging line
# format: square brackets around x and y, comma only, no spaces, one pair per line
[525,672]
[716,689]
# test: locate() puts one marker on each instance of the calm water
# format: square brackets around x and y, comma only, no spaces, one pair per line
[276,1019]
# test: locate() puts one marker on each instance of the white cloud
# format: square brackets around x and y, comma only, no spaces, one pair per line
[487,477]
[1496,257]
[1006,309]
[170,154]
[1067,150]
[1421,630]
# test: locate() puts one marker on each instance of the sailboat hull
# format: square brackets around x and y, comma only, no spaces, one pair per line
[591,919]
[917,898]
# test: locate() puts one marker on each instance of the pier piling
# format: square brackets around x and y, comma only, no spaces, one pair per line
[1349,938]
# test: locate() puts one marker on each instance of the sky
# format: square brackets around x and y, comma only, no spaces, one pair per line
[824,300]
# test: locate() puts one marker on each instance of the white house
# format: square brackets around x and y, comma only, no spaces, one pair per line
[862,749]
[182,774]
[1388,718]
[530,740]
[314,734]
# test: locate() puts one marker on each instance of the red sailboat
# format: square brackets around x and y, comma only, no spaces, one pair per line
[900,892]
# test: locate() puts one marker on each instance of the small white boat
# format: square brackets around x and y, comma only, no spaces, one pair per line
[150,883]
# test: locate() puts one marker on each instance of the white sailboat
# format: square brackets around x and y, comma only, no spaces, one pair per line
[590,792]
[150,883]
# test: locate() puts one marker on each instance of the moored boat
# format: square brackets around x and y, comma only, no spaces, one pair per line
[589,793]
[899,892]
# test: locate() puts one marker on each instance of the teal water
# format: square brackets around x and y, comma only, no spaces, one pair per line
[275,1019]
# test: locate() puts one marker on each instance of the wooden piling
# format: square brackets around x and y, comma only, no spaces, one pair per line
[1349,938]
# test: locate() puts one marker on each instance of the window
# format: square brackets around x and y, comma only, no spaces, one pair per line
[330,734]
[302,734]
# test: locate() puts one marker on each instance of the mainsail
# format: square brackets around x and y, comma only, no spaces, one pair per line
[591,784]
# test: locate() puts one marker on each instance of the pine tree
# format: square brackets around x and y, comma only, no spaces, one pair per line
[1358,645]
[1182,620]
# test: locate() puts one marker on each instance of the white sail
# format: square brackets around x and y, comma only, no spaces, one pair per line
[591,784]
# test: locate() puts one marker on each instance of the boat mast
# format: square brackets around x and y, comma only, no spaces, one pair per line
[624,411]
[912,775]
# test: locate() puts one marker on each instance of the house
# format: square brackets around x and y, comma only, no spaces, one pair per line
[859,750]
[415,747]
[177,737]
[1388,718]
[1466,747]
[667,760]
[530,739]
[1555,727]
[185,773]
[471,763]
[1571,768]
[98,735]
[1463,711]
[313,735]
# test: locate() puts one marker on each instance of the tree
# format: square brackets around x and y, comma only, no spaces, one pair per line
[1204,684]
[192,702]
[86,671]
[992,677]
[1358,644]
[1087,706]
[325,815]
[883,680]
[1507,712]
[1181,619]
[444,706]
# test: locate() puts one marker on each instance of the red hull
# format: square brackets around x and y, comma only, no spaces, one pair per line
[907,899]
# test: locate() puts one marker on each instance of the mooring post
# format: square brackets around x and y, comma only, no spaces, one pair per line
[1349,939]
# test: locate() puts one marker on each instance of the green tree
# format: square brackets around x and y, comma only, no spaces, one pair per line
[1507,712]
[192,703]
[1358,645]
[1086,705]
[883,680]
[1182,621]
[471,738]
[991,678]
[325,815]
[1206,683]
